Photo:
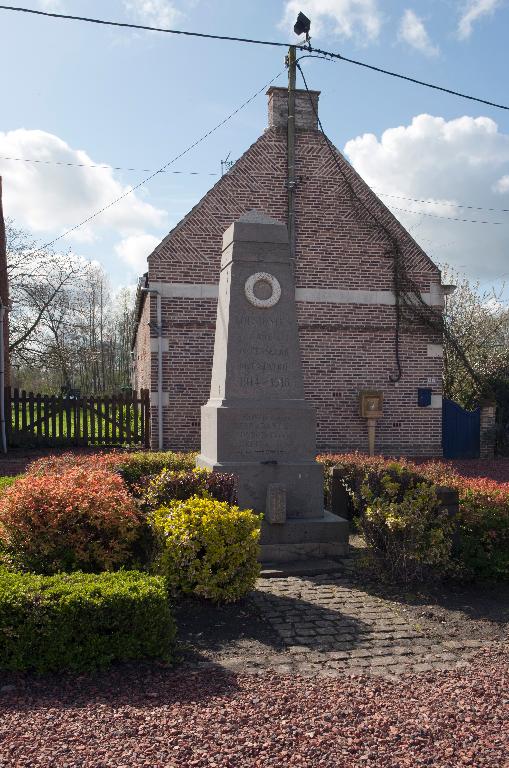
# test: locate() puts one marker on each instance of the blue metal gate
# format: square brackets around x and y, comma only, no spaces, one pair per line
[461,431]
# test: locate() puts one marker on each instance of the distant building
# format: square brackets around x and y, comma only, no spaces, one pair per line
[346,303]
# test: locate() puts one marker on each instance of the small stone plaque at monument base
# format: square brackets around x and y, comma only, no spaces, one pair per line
[275,512]
[257,424]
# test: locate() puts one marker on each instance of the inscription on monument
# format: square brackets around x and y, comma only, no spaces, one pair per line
[260,433]
[276,504]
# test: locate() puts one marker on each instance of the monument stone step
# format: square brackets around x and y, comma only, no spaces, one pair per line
[311,567]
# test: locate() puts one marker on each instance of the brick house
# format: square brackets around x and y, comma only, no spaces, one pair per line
[345,298]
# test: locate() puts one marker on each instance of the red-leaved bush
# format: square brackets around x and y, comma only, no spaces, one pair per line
[135,467]
[58,463]
[83,518]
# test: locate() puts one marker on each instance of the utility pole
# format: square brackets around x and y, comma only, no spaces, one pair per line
[292,70]
[302,26]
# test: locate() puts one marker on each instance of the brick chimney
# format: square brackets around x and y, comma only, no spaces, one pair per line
[306,109]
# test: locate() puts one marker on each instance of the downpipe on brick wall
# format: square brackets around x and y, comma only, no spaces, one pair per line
[159,330]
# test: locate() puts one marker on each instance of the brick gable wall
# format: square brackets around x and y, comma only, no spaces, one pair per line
[346,347]
[142,352]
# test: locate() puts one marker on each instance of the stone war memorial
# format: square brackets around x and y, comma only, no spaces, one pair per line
[257,424]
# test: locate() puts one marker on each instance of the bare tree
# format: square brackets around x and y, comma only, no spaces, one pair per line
[67,329]
[479,320]
[37,278]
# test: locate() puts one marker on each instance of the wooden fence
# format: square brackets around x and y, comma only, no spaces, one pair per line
[34,420]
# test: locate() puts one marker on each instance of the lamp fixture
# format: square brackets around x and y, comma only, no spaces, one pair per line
[302,25]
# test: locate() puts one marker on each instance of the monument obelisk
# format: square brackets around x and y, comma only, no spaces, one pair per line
[257,424]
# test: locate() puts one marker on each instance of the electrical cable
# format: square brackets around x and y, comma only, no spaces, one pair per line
[441,202]
[407,293]
[394,378]
[163,167]
[313,52]
[445,218]
[211,173]
[145,27]
[327,55]
[110,167]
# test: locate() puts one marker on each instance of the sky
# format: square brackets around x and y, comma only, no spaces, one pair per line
[133,101]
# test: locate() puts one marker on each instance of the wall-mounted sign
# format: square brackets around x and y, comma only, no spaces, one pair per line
[371,404]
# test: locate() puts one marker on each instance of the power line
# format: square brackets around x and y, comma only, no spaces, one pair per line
[209,173]
[440,202]
[91,20]
[318,52]
[445,218]
[109,167]
[406,290]
[170,162]
[327,55]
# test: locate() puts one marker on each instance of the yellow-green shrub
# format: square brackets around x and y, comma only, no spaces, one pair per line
[409,535]
[481,538]
[208,548]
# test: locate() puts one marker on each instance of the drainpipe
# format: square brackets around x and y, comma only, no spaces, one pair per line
[159,330]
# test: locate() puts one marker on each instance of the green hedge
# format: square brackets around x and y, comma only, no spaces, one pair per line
[79,621]
[136,467]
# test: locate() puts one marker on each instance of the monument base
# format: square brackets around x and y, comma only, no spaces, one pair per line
[304,539]
[303,481]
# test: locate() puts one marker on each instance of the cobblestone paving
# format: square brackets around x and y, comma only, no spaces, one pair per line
[331,626]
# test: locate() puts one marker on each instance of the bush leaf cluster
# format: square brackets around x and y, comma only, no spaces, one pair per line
[480,531]
[83,518]
[208,548]
[79,621]
[170,485]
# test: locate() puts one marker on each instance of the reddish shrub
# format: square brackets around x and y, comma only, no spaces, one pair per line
[58,463]
[81,519]
[136,467]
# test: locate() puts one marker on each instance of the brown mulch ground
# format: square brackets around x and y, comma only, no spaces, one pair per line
[154,717]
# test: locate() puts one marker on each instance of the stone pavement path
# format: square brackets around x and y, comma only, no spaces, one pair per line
[332,625]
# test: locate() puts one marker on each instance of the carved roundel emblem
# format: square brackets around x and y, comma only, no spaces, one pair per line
[262,283]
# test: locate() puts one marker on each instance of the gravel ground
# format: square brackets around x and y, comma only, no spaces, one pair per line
[154,717]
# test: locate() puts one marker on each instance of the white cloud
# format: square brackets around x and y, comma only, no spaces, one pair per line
[49,198]
[154,13]
[343,18]
[473,10]
[451,162]
[52,6]
[502,185]
[413,32]
[133,251]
